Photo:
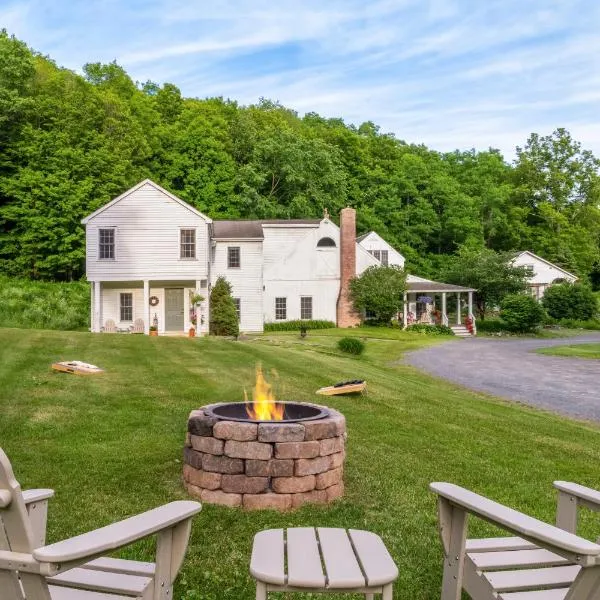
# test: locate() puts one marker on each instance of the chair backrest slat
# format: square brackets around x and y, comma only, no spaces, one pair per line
[16,535]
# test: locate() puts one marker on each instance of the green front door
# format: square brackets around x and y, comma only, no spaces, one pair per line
[174,309]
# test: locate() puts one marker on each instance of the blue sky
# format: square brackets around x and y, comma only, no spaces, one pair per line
[449,74]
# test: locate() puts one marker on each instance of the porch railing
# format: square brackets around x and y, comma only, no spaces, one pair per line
[473,323]
[445,320]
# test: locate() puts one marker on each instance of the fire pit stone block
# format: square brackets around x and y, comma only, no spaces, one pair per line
[268,465]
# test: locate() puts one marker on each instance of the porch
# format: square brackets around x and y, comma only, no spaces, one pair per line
[428,302]
[138,305]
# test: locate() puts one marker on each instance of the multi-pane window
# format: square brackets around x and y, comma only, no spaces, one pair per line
[306,307]
[233,257]
[376,254]
[126,306]
[280,309]
[384,258]
[106,243]
[238,307]
[187,247]
[529,270]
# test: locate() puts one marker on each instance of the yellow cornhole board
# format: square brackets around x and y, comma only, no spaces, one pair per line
[77,368]
[343,388]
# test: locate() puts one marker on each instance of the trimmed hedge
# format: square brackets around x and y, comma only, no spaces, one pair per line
[491,326]
[351,345]
[592,324]
[427,329]
[298,324]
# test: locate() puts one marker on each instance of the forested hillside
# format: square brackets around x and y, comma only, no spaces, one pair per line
[70,143]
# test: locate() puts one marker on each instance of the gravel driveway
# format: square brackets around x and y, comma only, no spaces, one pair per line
[512,369]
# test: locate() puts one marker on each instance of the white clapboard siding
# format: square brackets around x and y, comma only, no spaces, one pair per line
[373,241]
[543,272]
[280,241]
[246,281]
[324,295]
[147,225]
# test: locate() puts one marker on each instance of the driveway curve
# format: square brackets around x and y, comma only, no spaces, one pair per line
[511,368]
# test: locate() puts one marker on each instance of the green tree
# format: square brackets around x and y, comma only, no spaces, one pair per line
[521,313]
[570,301]
[490,273]
[223,315]
[379,290]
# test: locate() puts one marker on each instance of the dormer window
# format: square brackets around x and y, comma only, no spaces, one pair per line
[106,244]
[326,242]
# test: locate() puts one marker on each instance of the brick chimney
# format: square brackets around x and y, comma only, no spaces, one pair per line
[346,317]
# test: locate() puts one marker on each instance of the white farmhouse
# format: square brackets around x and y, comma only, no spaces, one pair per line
[542,273]
[149,254]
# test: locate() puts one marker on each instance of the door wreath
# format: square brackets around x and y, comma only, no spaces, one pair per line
[153,300]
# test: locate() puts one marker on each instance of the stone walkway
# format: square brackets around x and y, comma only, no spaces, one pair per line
[511,368]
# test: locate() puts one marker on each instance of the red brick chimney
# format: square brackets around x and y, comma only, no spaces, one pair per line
[346,317]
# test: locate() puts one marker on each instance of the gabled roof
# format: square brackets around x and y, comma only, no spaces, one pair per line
[517,254]
[253,229]
[360,238]
[137,187]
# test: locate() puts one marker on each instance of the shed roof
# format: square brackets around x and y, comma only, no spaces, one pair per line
[246,229]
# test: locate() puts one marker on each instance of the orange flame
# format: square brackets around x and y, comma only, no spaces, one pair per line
[263,406]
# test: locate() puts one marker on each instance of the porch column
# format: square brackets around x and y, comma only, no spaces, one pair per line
[146,307]
[198,308]
[97,308]
[470,303]
[458,308]
[405,310]
[444,315]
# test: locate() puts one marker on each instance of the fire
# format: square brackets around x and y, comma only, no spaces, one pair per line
[263,406]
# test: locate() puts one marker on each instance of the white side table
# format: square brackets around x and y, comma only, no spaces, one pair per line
[322,559]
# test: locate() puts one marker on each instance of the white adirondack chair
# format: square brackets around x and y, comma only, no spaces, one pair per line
[543,563]
[138,326]
[74,569]
[109,326]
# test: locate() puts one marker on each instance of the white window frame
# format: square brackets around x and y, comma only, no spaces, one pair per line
[302,308]
[279,308]
[238,308]
[114,244]
[181,231]
[239,249]
[385,258]
[121,307]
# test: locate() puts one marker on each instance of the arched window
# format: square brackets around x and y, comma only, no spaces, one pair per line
[326,242]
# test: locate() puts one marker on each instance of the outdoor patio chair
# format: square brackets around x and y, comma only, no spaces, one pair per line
[75,569]
[543,563]
[138,326]
[109,326]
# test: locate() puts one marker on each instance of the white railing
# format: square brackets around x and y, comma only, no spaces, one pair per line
[445,320]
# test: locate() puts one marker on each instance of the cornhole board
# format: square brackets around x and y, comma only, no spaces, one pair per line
[76,367]
[343,388]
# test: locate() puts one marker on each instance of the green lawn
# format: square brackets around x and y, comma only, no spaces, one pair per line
[574,350]
[111,444]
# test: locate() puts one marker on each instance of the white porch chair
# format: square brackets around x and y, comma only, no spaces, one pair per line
[543,563]
[109,326]
[74,569]
[138,326]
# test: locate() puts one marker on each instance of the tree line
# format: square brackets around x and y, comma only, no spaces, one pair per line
[69,143]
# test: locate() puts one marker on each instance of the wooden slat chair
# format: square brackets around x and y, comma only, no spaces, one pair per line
[75,569]
[109,326]
[138,326]
[543,563]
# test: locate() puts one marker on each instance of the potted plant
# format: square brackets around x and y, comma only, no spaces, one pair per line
[153,330]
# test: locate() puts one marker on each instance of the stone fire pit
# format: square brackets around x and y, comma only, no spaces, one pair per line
[261,465]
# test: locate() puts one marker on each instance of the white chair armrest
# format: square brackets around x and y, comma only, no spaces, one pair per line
[515,521]
[31,496]
[581,492]
[118,534]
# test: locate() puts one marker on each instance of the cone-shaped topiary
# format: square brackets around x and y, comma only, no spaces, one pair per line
[223,315]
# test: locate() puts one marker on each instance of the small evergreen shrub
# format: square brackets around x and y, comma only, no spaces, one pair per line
[223,315]
[428,329]
[298,324]
[570,301]
[351,345]
[521,313]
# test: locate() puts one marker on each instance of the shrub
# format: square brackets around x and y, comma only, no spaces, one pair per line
[223,315]
[570,301]
[521,313]
[490,326]
[379,290]
[351,345]
[593,324]
[428,329]
[298,324]
[44,305]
